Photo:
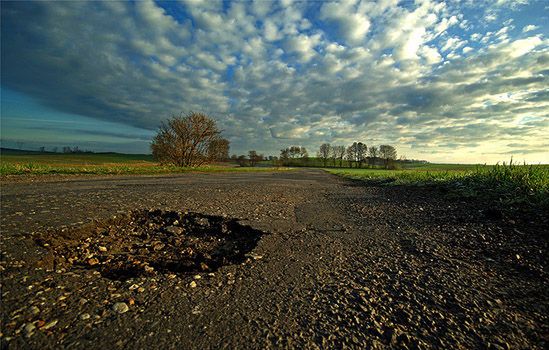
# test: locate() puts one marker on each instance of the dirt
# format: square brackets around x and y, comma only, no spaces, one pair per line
[292,260]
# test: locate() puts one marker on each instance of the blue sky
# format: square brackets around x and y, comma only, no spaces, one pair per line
[453,81]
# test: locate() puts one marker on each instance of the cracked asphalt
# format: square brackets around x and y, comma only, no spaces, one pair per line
[338,265]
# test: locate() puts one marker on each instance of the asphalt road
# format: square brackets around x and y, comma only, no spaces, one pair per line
[338,265]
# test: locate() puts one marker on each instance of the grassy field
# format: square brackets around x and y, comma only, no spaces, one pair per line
[505,183]
[35,163]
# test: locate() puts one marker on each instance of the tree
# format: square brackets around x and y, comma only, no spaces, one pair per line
[42,149]
[254,157]
[372,152]
[242,161]
[293,153]
[324,152]
[388,153]
[351,154]
[219,150]
[186,140]
[360,153]
[339,152]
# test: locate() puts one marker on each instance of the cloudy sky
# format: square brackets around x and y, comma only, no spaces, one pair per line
[454,81]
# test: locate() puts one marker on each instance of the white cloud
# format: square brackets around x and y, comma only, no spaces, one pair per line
[353,26]
[529,28]
[453,44]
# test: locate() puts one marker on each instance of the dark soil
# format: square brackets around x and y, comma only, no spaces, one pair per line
[279,260]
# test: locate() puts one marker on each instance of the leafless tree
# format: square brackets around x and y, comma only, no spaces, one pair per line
[254,157]
[186,140]
[324,152]
[372,153]
[219,150]
[339,152]
[360,153]
[350,154]
[388,153]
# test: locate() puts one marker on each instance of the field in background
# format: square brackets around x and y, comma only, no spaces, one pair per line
[13,162]
[505,183]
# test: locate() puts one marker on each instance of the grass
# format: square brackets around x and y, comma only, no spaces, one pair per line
[508,184]
[33,163]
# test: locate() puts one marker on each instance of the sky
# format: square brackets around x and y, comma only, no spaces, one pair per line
[446,81]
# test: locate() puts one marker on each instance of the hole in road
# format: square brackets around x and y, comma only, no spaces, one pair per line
[152,242]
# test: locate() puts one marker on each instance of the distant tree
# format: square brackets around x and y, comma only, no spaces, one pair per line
[372,153]
[324,152]
[186,140]
[333,155]
[350,154]
[67,149]
[285,156]
[292,155]
[360,153]
[339,152]
[42,149]
[388,153]
[219,149]
[254,158]
[242,161]
[54,149]
[303,154]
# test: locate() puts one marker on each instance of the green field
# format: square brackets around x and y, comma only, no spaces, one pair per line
[35,163]
[505,183]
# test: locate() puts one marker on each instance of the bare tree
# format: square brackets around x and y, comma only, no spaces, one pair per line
[350,154]
[324,152]
[388,153]
[254,157]
[339,152]
[285,156]
[304,155]
[333,155]
[186,140]
[360,153]
[42,149]
[372,153]
[242,161]
[219,150]
[292,154]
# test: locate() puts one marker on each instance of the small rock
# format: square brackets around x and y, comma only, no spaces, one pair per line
[29,328]
[140,289]
[174,229]
[33,310]
[197,277]
[120,307]
[93,261]
[84,316]
[133,287]
[102,249]
[192,284]
[50,324]
[159,246]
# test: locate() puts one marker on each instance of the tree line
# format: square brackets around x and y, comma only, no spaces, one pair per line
[357,154]
[194,139]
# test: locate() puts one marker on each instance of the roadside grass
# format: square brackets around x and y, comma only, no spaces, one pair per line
[508,184]
[102,164]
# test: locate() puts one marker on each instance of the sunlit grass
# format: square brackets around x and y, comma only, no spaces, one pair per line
[102,164]
[507,183]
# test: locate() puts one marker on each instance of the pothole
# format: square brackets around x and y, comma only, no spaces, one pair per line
[151,242]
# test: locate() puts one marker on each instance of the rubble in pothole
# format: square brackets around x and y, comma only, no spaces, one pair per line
[150,242]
